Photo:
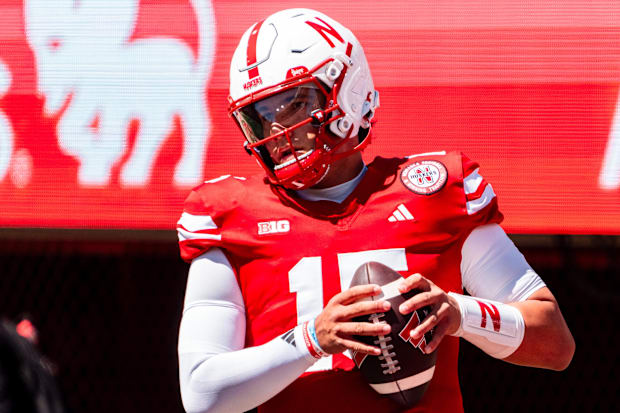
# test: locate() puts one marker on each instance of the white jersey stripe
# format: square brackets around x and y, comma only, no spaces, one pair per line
[186,235]
[484,200]
[472,182]
[404,384]
[439,153]
[399,216]
[218,179]
[196,222]
[405,211]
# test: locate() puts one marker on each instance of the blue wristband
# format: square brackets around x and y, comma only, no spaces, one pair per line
[314,339]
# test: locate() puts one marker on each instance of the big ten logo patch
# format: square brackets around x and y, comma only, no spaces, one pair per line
[274,227]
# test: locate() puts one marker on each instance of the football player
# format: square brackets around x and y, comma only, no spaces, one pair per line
[268,308]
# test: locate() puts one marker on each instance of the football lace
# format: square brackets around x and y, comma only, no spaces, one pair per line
[391,363]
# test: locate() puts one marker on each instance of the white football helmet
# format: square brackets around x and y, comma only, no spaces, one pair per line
[300,87]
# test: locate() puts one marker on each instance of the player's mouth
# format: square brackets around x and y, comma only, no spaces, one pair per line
[288,158]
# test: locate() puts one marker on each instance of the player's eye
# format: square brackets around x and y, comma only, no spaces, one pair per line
[299,105]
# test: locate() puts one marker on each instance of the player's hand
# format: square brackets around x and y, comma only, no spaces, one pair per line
[445,314]
[334,328]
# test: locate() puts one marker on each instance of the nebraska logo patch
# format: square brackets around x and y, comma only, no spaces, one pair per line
[425,177]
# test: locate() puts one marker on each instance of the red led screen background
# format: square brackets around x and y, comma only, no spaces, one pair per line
[528,89]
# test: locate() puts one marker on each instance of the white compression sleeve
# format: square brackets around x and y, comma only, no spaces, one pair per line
[216,373]
[492,268]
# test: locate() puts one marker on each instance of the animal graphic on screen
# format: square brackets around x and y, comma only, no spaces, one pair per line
[97,79]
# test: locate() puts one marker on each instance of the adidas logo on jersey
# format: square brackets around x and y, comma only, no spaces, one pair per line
[401,213]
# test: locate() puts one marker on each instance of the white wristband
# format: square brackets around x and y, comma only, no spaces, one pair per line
[494,327]
[310,340]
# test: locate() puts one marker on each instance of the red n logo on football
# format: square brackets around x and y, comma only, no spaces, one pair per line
[359,358]
[405,333]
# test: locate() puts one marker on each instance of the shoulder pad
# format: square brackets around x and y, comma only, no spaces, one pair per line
[216,195]
[204,213]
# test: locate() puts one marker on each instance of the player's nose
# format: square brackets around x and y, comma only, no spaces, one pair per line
[281,143]
[276,128]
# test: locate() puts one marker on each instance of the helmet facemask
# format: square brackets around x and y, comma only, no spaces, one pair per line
[285,129]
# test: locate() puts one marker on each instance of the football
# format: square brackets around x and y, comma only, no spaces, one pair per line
[403,371]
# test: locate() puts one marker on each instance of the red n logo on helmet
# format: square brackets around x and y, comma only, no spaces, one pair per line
[324,30]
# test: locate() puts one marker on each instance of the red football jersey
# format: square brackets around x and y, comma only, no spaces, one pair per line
[291,256]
